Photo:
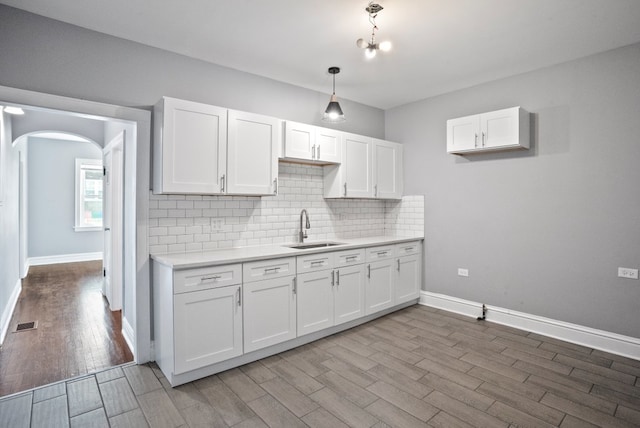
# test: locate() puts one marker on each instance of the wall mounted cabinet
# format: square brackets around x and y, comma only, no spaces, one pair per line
[202,149]
[311,143]
[505,129]
[370,168]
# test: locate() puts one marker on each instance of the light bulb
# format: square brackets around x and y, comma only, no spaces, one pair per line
[385,46]
[370,52]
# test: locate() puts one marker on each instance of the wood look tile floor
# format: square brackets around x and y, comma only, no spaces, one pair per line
[416,367]
[76,333]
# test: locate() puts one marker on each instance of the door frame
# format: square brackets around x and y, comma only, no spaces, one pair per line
[137,321]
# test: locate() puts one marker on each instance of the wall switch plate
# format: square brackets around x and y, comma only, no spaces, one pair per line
[628,273]
[463,272]
[217,224]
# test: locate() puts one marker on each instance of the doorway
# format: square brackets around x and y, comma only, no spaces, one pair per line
[136,151]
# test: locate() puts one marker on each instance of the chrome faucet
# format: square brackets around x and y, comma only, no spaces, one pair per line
[302,233]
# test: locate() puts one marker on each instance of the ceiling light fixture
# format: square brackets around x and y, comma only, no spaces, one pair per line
[371,47]
[333,112]
[13,110]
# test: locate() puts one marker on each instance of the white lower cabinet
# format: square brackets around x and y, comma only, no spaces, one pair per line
[349,294]
[269,312]
[380,284]
[315,301]
[207,327]
[407,278]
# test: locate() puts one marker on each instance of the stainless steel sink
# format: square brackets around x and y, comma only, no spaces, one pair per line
[314,245]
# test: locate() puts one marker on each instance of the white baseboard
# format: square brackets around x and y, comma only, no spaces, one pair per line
[7,312]
[129,336]
[63,258]
[586,336]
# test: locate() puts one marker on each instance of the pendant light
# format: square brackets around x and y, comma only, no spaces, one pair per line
[333,113]
[370,46]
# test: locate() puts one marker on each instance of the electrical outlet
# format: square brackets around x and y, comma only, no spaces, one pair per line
[463,272]
[628,273]
[217,224]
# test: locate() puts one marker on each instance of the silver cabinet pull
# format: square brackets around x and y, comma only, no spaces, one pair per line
[222,180]
[398,265]
[269,270]
[375,191]
[483,137]
[345,188]
[333,278]
[275,186]
[337,277]
[350,258]
[381,253]
[295,285]
[212,277]
[317,262]
[239,297]
[475,143]
[369,271]
[313,152]
[318,152]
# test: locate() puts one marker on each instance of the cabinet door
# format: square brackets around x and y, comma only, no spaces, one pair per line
[462,134]
[499,128]
[315,301]
[328,145]
[407,278]
[349,294]
[379,289]
[207,327]
[299,140]
[190,149]
[252,158]
[357,162]
[269,312]
[387,168]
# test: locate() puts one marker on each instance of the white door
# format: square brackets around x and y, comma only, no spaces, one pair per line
[379,289]
[349,294]
[407,278]
[387,170]
[329,145]
[462,134]
[299,140]
[269,312]
[315,301]
[357,160]
[252,153]
[499,128]
[22,207]
[112,219]
[208,327]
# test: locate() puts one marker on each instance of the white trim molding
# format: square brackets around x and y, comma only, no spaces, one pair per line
[7,313]
[63,258]
[614,343]
[129,336]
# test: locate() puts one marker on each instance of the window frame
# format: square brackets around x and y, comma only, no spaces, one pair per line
[81,164]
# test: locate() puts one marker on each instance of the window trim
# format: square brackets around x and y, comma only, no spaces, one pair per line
[78,195]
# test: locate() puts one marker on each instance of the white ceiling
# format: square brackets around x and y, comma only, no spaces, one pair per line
[439,45]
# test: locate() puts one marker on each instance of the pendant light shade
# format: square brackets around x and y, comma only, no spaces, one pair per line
[333,113]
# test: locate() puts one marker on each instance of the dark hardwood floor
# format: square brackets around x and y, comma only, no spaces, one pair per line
[76,332]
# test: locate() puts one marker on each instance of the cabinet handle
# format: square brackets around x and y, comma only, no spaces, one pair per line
[483,139]
[381,253]
[345,189]
[333,278]
[313,152]
[349,258]
[408,248]
[398,260]
[317,262]
[475,143]
[369,271]
[207,278]
[337,277]
[275,186]
[274,270]
[239,297]
[375,191]
[318,152]
[222,182]
[295,285]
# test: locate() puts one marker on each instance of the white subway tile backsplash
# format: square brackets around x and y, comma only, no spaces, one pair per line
[181,223]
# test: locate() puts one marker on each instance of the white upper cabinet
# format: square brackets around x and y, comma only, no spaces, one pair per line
[190,143]
[387,170]
[311,143]
[252,159]
[498,130]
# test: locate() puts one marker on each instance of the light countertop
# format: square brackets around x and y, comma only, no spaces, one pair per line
[246,254]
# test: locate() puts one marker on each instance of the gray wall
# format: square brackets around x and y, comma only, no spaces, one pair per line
[39,120]
[49,56]
[51,198]
[541,231]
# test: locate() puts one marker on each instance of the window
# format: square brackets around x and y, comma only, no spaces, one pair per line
[88,195]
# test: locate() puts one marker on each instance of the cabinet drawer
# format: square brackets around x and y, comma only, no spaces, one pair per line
[206,278]
[267,269]
[349,257]
[379,253]
[407,248]
[314,262]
